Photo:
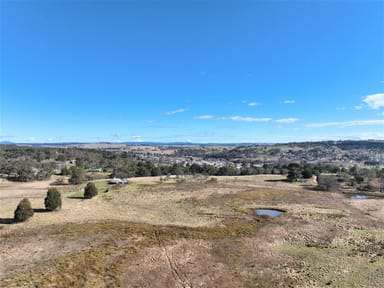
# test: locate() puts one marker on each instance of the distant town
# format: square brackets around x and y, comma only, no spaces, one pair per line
[363,160]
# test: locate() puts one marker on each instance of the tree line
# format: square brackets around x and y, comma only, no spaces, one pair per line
[18,163]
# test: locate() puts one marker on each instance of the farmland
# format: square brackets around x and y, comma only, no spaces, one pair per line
[192,231]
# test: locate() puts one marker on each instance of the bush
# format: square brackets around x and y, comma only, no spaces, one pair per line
[90,190]
[23,211]
[53,199]
[327,182]
[307,173]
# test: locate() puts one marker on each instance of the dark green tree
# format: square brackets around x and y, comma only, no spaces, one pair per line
[195,169]
[65,171]
[307,173]
[77,175]
[176,169]
[142,170]
[359,179]
[53,199]
[294,172]
[23,211]
[90,190]
[156,171]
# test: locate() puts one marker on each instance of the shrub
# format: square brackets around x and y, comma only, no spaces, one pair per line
[90,190]
[23,211]
[53,199]
[327,182]
[307,173]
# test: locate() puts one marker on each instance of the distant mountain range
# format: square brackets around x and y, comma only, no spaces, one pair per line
[128,143]
[6,142]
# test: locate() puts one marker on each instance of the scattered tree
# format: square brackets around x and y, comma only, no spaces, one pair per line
[77,175]
[23,211]
[307,173]
[327,182]
[294,172]
[90,190]
[359,179]
[53,199]
[65,171]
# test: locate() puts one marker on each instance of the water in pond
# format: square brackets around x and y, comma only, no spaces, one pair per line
[270,213]
[359,197]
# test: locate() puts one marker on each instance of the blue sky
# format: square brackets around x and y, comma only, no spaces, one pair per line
[199,71]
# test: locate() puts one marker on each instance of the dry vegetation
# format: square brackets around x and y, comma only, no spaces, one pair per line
[192,232]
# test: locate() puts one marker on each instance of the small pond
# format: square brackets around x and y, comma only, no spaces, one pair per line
[268,213]
[359,197]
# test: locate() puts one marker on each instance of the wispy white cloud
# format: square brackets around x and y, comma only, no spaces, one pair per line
[287,120]
[204,117]
[346,123]
[7,136]
[30,139]
[253,104]
[181,110]
[358,107]
[116,135]
[150,121]
[245,119]
[338,136]
[374,101]
[137,138]
[289,102]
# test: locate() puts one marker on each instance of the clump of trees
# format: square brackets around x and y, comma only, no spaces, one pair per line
[90,190]
[53,200]
[297,171]
[294,172]
[23,211]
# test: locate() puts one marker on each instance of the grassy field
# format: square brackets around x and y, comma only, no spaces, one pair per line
[192,232]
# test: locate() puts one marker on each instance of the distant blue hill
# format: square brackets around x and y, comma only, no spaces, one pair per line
[6,143]
[133,143]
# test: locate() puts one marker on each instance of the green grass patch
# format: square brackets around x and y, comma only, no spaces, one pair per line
[101,185]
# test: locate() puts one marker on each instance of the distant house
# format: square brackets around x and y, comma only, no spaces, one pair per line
[95,170]
[60,181]
[118,181]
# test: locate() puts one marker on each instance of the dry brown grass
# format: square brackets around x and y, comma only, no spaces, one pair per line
[192,233]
